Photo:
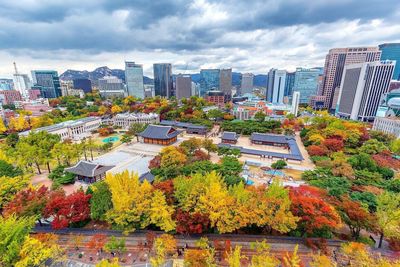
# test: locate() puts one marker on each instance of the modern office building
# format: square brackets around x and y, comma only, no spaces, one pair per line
[209,80]
[8,97]
[289,83]
[111,86]
[134,79]
[83,84]
[163,79]
[225,83]
[22,83]
[48,83]
[183,86]
[362,87]
[391,51]
[295,103]
[216,97]
[306,82]
[335,62]
[6,84]
[276,85]
[247,83]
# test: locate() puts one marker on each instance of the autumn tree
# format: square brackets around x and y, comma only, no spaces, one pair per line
[35,252]
[317,217]
[97,242]
[388,215]
[108,263]
[292,260]
[172,157]
[319,260]
[3,127]
[116,109]
[9,187]
[191,223]
[333,144]
[18,124]
[263,256]
[67,210]
[235,257]
[28,202]
[116,245]
[209,146]
[191,145]
[204,255]
[164,247]
[13,233]
[145,205]
[314,150]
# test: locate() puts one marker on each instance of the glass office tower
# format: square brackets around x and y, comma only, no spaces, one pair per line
[209,80]
[163,79]
[48,82]
[391,51]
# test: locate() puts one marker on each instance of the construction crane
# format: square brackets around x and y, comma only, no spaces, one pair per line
[17,78]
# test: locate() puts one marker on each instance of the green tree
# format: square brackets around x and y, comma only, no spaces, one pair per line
[373,146]
[136,128]
[115,245]
[209,145]
[13,233]
[279,164]
[9,187]
[100,202]
[7,169]
[260,116]
[388,215]
[126,139]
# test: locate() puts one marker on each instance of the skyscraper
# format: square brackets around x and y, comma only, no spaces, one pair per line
[391,51]
[83,84]
[134,79]
[111,86]
[295,103]
[225,82]
[209,80]
[48,82]
[246,83]
[22,83]
[362,87]
[163,79]
[183,86]
[289,83]
[335,62]
[306,82]
[276,85]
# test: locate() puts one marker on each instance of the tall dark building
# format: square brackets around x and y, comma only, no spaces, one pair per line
[83,84]
[163,79]
[289,83]
[391,51]
[48,82]
[225,83]
[183,86]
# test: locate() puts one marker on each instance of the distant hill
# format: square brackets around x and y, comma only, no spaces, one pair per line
[94,76]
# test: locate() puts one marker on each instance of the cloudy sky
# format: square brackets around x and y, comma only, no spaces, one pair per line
[247,35]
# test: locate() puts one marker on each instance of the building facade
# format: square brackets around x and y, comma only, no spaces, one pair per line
[48,83]
[362,88]
[209,80]
[6,84]
[225,83]
[391,51]
[22,84]
[247,83]
[295,103]
[216,97]
[125,120]
[276,85]
[183,86]
[8,97]
[289,83]
[390,125]
[159,135]
[306,82]
[111,86]
[134,79]
[335,62]
[83,84]
[163,79]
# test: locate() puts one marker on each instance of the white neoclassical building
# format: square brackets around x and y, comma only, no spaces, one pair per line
[125,120]
[74,130]
[389,125]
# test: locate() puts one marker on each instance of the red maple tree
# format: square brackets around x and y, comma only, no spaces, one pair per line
[67,209]
[191,223]
[167,187]
[315,150]
[334,144]
[315,213]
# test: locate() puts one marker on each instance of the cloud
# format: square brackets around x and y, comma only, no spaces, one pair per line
[246,35]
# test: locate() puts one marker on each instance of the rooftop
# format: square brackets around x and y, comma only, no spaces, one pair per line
[181,124]
[159,132]
[88,169]
[230,136]
[128,115]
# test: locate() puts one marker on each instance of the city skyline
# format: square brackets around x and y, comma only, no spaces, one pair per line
[214,36]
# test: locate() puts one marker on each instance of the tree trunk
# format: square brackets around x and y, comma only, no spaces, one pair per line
[380,240]
[84,153]
[48,166]
[91,153]
[38,167]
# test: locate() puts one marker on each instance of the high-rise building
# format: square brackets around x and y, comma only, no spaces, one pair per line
[225,82]
[6,84]
[295,103]
[83,84]
[391,51]
[48,82]
[362,87]
[8,97]
[209,80]
[276,85]
[289,83]
[183,86]
[111,86]
[335,62]
[134,79]
[247,83]
[306,82]
[163,79]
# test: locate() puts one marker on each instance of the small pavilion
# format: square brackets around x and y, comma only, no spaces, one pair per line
[89,172]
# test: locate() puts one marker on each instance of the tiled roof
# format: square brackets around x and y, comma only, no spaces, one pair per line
[230,136]
[159,132]
[273,138]
[265,153]
[181,124]
[147,176]
[88,169]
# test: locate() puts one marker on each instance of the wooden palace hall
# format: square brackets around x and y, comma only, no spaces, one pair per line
[159,135]
[89,172]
